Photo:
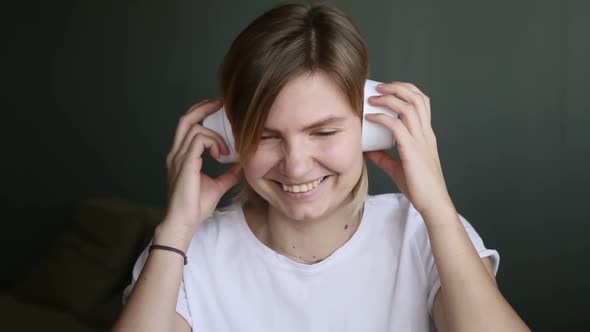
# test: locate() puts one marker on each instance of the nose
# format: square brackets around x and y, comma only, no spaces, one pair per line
[297,160]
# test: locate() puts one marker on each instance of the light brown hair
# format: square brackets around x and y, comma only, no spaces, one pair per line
[281,44]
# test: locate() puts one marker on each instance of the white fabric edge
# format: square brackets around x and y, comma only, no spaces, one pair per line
[482,254]
[183,312]
[181,303]
[181,309]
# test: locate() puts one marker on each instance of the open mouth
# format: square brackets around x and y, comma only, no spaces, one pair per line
[301,188]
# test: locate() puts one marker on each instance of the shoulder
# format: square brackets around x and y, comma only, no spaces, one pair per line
[388,201]
[393,217]
[397,207]
[399,220]
[224,226]
[223,217]
[393,208]
[397,213]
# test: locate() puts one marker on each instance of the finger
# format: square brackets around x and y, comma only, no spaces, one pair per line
[411,87]
[195,115]
[406,111]
[223,147]
[196,147]
[383,160]
[424,96]
[429,133]
[400,133]
[230,177]
[393,168]
[198,129]
[195,106]
[412,95]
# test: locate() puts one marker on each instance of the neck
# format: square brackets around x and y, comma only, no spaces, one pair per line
[305,241]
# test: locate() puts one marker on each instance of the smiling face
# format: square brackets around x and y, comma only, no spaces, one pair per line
[309,157]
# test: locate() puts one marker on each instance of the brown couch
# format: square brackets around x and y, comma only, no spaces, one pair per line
[77,285]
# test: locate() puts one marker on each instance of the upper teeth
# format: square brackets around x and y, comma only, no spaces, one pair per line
[301,188]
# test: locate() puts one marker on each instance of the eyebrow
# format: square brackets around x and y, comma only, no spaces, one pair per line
[324,122]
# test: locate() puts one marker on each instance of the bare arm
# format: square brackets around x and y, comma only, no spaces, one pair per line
[152,303]
[438,313]
[469,299]
[192,197]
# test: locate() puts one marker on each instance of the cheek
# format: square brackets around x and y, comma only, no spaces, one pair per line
[252,171]
[343,153]
[258,165]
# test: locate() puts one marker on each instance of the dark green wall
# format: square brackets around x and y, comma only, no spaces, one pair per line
[95,90]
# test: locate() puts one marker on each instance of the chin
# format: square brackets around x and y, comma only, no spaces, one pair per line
[302,215]
[320,205]
[305,213]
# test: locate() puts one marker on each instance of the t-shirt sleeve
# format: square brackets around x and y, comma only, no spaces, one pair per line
[432,272]
[182,303]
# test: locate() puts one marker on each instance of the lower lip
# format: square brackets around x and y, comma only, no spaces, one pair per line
[304,194]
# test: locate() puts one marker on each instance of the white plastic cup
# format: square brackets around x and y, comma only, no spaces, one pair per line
[219,123]
[374,136]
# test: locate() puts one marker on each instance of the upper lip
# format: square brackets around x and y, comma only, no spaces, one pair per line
[302,182]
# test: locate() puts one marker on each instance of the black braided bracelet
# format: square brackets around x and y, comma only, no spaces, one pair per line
[178,251]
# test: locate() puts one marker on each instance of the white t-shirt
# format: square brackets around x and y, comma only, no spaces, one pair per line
[383,279]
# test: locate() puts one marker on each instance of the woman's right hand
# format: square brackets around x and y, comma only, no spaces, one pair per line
[192,195]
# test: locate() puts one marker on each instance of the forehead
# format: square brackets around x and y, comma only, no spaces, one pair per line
[306,99]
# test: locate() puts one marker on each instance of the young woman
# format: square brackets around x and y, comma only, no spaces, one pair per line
[304,248]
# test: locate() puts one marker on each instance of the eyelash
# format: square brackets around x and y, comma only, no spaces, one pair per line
[326,133]
[319,133]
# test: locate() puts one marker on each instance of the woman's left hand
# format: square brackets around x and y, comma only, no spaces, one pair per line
[417,173]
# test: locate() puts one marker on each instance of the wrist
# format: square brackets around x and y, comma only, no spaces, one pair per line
[443,213]
[177,236]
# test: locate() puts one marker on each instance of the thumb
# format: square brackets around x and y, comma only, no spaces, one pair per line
[230,177]
[384,161]
[389,165]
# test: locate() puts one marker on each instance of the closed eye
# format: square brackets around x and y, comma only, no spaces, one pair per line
[317,133]
[325,133]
